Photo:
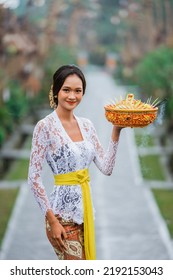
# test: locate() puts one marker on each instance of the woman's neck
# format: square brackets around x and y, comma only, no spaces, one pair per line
[65,115]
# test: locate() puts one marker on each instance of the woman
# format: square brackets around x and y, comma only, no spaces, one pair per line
[69,144]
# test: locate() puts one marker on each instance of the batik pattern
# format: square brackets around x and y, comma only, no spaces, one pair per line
[74,242]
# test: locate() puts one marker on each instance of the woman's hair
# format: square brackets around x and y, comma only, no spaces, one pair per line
[59,78]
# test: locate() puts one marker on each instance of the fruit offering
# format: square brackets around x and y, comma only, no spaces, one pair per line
[130,112]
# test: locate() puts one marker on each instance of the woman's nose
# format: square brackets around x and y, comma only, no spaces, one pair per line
[72,94]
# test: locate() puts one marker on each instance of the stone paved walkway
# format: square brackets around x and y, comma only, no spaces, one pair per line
[128,222]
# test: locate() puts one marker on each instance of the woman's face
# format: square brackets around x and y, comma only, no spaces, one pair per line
[70,93]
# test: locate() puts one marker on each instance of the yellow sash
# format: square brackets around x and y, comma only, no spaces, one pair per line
[81,177]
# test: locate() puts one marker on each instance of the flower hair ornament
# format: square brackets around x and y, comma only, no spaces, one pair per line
[52,98]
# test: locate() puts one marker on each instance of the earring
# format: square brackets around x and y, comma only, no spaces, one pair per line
[51,98]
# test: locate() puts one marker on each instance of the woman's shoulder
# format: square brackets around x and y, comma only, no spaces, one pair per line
[44,122]
[85,121]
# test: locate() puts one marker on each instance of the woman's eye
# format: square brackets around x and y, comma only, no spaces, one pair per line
[66,90]
[78,90]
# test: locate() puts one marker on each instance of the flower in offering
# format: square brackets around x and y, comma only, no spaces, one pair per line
[130,112]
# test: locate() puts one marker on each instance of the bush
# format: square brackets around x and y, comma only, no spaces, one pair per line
[6,119]
[154,75]
[17,104]
[6,126]
[2,135]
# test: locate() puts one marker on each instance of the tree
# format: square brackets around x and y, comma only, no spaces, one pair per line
[17,104]
[154,75]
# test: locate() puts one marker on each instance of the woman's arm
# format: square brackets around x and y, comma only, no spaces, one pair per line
[38,153]
[116,133]
[105,160]
[37,157]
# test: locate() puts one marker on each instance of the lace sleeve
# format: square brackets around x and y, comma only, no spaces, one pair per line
[38,152]
[104,160]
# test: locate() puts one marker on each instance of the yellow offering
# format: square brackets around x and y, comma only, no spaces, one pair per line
[130,112]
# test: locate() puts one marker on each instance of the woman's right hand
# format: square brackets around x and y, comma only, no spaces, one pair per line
[58,234]
[56,230]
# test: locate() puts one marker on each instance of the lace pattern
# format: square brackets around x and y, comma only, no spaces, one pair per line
[51,142]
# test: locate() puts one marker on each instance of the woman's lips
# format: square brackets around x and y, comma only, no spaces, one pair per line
[71,102]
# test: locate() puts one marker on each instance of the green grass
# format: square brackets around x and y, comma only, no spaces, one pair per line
[144,140]
[151,168]
[7,200]
[164,199]
[18,170]
[27,144]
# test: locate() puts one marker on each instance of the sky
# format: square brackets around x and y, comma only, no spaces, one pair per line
[10,3]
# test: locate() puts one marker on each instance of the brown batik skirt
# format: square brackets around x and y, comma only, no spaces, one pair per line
[74,241]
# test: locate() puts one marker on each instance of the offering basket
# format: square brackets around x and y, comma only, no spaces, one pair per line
[131,113]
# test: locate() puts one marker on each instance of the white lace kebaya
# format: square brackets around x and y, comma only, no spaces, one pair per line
[51,142]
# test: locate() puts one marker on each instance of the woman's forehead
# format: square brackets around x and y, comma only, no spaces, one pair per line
[73,80]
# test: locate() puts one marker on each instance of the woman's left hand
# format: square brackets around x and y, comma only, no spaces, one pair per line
[116,133]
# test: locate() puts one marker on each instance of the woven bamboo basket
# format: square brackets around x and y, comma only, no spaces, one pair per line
[131,117]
